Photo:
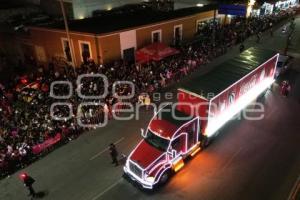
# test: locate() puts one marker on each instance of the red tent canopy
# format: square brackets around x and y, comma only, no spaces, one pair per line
[155,51]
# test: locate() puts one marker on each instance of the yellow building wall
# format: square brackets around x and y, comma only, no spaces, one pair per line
[144,35]
[106,48]
[110,48]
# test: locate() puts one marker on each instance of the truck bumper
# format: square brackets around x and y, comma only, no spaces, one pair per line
[131,178]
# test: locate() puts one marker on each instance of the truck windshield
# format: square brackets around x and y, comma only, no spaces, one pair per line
[156,141]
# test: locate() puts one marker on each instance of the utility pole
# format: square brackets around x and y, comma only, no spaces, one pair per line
[68,34]
[214,29]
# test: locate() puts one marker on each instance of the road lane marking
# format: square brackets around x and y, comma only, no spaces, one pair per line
[106,149]
[231,159]
[295,190]
[107,189]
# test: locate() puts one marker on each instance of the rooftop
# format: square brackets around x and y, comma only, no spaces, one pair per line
[228,72]
[115,22]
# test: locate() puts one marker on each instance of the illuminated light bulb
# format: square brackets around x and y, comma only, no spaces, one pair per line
[150,179]
[109,7]
[195,151]
[81,17]
[178,165]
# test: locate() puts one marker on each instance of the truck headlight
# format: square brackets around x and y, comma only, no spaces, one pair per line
[126,166]
[150,179]
[125,169]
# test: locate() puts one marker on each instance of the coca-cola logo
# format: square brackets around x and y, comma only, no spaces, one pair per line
[247,86]
[231,98]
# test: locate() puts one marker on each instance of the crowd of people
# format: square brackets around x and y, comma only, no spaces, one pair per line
[25,117]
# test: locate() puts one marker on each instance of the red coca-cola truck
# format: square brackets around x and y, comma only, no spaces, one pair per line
[205,104]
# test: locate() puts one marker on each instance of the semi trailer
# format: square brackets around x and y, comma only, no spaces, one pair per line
[205,104]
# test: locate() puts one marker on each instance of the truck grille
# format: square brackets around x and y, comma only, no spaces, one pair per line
[135,169]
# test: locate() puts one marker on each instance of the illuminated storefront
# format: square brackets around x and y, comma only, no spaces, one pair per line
[266,9]
[282,5]
[270,8]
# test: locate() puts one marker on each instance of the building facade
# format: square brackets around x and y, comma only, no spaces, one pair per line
[48,44]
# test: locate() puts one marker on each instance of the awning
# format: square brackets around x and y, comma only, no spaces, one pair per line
[155,51]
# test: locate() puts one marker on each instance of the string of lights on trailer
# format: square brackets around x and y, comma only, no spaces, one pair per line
[214,125]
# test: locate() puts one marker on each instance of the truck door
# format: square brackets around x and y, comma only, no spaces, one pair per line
[192,129]
[178,146]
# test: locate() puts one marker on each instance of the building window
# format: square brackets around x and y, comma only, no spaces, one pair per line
[66,49]
[85,51]
[156,36]
[40,54]
[177,34]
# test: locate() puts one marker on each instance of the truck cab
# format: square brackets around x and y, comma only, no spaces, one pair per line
[170,137]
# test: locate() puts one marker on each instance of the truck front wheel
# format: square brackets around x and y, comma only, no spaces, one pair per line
[165,177]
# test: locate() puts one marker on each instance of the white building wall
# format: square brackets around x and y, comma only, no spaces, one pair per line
[128,40]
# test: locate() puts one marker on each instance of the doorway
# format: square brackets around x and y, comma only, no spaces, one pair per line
[128,55]
[177,35]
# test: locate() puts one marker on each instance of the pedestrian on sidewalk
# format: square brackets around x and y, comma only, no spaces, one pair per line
[147,101]
[242,47]
[114,154]
[258,35]
[28,182]
[285,88]
[271,32]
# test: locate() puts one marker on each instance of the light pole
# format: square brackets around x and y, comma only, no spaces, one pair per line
[68,34]
[214,29]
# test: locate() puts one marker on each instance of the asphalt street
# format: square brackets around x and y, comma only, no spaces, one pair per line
[248,160]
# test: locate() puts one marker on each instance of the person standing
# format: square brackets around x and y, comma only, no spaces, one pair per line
[258,37]
[242,47]
[271,28]
[114,154]
[271,32]
[147,101]
[28,182]
[285,88]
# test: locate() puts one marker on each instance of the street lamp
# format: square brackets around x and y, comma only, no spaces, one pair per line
[68,34]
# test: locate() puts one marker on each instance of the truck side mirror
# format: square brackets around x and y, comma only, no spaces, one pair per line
[173,153]
[143,134]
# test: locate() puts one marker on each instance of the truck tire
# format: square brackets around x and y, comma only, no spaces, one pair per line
[165,177]
[205,142]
